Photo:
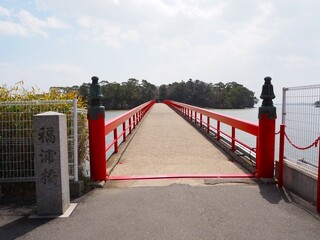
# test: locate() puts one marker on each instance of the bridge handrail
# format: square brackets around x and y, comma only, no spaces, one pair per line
[113,123]
[136,114]
[248,127]
[195,115]
[99,129]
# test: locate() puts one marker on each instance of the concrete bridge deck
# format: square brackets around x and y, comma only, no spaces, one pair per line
[167,144]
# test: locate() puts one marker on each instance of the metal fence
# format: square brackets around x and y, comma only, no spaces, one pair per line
[16,137]
[301,115]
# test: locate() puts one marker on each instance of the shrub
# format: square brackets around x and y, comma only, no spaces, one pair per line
[17,107]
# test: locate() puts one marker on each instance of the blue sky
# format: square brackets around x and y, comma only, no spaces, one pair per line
[63,43]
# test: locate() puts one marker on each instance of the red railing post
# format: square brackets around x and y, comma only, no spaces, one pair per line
[318,189]
[115,138]
[134,121]
[124,131]
[200,120]
[218,130]
[208,124]
[281,156]
[266,133]
[195,117]
[233,137]
[130,126]
[190,116]
[97,142]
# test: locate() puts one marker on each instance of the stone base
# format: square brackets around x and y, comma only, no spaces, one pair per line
[268,180]
[66,214]
[299,180]
[98,184]
[76,188]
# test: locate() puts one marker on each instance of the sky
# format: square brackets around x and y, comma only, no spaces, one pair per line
[64,43]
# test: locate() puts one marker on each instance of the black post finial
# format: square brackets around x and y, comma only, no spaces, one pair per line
[95,92]
[267,95]
[95,108]
[95,80]
[267,92]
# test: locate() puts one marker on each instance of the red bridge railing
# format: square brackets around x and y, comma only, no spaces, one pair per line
[264,131]
[99,129]
[203,118]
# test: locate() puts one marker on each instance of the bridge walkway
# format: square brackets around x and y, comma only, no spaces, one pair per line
[167,144]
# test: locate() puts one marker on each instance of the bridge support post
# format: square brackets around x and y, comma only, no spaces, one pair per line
[130,126]
[266,134]
[97,142]
[218,130]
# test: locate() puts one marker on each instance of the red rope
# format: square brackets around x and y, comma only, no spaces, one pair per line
[315,143]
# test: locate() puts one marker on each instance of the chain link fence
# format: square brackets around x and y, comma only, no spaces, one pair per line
[301,115]
[16,137]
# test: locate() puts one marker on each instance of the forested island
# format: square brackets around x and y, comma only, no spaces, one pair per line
[132,93]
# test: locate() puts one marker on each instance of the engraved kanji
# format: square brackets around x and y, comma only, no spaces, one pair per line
[46,135]
[47,156]
[49,176]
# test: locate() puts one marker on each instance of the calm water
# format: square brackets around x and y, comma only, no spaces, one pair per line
[110,115]
[303,128]
[114,113]
[248,114]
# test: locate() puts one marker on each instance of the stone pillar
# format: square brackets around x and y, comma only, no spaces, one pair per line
[51,163]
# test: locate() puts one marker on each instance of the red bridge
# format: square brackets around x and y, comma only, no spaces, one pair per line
[173,140]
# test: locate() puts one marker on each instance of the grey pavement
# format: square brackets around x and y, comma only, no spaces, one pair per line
[177,211]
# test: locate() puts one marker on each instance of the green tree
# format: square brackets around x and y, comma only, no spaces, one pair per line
[162,92]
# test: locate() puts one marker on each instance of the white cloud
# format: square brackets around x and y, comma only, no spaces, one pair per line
[39,26]
[177,39]
[43,75]
[59,68]
[53,22]
[294,62]
[7,67]
[11,28]
[186,8]
[25,24]
[4,12]
[174,44]
[101,30]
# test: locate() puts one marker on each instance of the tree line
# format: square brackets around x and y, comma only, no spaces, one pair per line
[219,95]
[132,93]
